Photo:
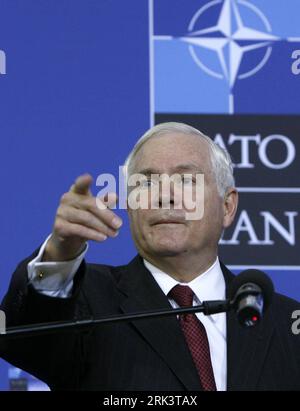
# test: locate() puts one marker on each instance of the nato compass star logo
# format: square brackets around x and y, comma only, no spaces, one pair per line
[230,39]
[241,41]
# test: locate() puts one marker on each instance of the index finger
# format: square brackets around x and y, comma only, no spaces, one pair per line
[82,184]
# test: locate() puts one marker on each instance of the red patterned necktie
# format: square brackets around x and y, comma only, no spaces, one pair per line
[196,337]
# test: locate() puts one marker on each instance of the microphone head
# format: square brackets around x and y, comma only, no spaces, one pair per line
[250,295]
[256,277]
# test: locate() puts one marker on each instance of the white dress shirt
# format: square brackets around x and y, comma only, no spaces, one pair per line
[55,279]
[208,286]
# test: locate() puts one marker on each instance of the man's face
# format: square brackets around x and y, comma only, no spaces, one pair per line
[167,232]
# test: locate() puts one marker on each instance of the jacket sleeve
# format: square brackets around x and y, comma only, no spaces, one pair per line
[54,358]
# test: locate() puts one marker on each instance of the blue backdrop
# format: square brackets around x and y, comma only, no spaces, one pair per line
[84,79]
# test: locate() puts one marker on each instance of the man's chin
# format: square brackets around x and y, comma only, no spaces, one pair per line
[169,250]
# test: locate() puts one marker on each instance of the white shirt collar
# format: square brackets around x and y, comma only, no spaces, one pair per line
[209,285]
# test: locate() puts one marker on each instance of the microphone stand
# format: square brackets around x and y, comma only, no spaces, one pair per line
[207,308]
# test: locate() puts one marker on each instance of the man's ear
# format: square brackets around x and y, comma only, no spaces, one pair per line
[230,205]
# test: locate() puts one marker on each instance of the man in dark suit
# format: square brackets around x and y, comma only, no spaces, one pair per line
[177,265]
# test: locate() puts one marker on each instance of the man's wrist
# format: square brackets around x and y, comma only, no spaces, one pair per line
[57,251]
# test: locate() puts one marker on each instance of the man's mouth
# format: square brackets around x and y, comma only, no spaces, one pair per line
[168,221]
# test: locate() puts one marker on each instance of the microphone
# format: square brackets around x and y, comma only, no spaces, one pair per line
[251,293]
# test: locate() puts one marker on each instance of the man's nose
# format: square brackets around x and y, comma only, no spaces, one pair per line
[166,193]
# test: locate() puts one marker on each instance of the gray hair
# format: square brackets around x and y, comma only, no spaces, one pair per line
[220,158]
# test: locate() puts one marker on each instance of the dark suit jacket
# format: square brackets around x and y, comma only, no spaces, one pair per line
[146,354]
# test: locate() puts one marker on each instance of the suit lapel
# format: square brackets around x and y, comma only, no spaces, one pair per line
[246,348]
[141,293]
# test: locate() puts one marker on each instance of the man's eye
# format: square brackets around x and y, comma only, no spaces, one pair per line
[147,183]
[188,179]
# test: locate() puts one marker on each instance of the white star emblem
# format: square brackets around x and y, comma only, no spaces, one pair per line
[229,32]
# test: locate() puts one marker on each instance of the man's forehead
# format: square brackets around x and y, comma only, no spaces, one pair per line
[176,152]
[181,139]
[187,167]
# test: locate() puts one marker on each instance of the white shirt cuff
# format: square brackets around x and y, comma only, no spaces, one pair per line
[53,278]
